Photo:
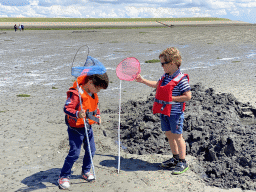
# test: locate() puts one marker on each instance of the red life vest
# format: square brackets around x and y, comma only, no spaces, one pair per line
[89,104]
[163,99]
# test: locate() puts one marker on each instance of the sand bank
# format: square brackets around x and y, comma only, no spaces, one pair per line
[9,25]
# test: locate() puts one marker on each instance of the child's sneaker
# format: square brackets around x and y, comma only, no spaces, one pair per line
[88,176]
[64,183]
[181,167]
[169,163]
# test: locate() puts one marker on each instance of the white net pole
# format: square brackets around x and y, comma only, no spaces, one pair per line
[86,132]
[119,142]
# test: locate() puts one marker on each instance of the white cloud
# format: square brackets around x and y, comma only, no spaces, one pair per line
[166,12]
[220,12]
[220,4]
[238,9]
[247,5]
[235,12]
[34,2]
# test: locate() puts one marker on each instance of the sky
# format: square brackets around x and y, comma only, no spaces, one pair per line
[239,10]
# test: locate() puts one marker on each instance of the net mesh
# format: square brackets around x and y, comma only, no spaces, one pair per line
[128,69]
[92,66]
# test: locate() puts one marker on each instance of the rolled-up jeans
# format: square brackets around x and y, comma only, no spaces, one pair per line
[77,137]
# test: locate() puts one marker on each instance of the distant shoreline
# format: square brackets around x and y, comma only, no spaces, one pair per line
[40,25]
[44,19]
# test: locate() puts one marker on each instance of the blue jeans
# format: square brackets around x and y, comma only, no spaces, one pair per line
[77,137]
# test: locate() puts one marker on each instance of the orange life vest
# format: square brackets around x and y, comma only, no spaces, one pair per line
[89,104]
[163,99]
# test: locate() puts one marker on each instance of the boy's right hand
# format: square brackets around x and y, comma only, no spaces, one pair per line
[81,114]
[139,79]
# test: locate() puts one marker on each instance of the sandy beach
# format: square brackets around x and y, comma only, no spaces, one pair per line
[37,63]
[9,25]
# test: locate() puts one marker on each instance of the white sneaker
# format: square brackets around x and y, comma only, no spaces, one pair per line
[64,183]
[88,176]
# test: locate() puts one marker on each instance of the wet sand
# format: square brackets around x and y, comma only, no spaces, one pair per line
[37,63]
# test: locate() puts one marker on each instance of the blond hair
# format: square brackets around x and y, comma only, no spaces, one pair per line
[171,54]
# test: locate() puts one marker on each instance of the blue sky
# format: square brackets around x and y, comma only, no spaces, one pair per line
[242,10]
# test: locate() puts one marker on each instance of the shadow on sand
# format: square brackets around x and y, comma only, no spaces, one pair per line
[129,164]
[39,180]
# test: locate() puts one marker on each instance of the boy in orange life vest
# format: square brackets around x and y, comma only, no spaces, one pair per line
[172,90]
[89,87]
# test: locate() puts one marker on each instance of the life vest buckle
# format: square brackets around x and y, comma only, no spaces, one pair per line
[162,108]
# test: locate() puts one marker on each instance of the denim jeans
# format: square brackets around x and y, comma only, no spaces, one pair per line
[77,137]
[174,123]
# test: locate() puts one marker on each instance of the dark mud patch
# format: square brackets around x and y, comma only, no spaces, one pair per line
[84,31]
[219,130]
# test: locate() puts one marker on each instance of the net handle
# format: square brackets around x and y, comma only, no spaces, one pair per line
[77,52]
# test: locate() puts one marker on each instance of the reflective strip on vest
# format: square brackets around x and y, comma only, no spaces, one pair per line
[81,91]
[90,115]
[179,77]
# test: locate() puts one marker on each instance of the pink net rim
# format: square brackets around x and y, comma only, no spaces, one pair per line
[128,69]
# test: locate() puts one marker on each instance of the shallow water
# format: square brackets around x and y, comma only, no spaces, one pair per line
[41,58]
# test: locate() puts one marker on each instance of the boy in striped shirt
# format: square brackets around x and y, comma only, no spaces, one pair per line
[173,90]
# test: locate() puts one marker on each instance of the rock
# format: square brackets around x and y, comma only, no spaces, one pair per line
[214,130]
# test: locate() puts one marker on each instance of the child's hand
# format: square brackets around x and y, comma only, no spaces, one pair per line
[81,114]
[99,119]
[139,79]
